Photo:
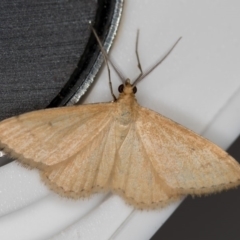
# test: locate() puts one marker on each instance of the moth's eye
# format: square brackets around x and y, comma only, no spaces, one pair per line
[120,88]
[134,89]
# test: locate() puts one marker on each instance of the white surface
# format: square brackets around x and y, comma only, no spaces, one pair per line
[197,86]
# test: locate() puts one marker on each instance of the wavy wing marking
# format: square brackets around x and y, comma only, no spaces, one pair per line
[88,170]
[47,137]
[187,162]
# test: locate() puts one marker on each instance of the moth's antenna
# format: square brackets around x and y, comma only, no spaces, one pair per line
[116,70]
[138,59]
[106,55]
[158,63]
[105,60]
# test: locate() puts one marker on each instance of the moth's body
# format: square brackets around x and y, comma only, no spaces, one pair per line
[119,146]
[124,113]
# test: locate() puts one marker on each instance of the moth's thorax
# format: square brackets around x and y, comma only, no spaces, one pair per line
[126,110]
[127,104]
[125,115]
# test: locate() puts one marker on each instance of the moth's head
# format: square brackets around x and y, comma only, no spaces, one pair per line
[127,88]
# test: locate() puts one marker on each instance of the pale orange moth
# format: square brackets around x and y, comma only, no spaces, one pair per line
[121,147]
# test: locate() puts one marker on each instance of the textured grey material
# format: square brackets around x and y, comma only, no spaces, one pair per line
[40,45]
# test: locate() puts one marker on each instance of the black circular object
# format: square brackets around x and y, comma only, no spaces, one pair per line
[48,53]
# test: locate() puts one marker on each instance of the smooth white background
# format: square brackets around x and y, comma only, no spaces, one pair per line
[197,86]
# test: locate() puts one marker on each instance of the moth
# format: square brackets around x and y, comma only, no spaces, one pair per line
[118,146]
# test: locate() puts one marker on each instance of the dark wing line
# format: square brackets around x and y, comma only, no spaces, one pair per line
[92,137]
[29,161]
[195,189]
